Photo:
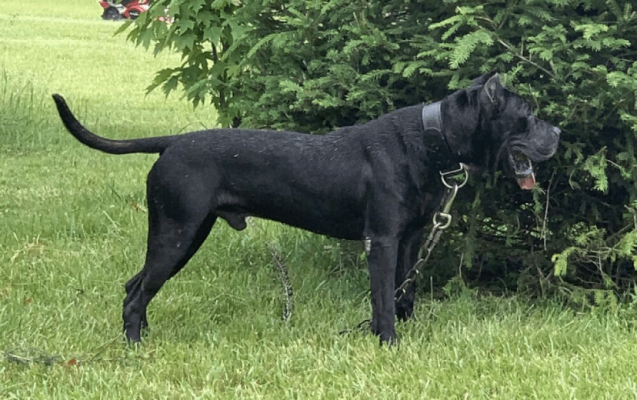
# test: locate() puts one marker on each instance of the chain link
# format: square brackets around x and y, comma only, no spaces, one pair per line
[441,220]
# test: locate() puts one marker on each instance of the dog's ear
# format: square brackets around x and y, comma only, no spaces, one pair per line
[493,91]
[481,80]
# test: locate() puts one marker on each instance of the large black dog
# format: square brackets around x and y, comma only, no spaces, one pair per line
[377,182]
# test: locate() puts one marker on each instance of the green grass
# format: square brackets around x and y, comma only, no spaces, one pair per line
[73,231]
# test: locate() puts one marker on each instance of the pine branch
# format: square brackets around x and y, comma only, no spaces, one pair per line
[525,59]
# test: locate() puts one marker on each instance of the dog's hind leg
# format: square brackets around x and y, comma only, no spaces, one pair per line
[171,244]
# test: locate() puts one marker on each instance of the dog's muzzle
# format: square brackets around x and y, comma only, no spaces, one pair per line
[523,169]
[540,147]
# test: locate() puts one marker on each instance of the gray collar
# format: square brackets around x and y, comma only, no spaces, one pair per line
[431,117]
[437,142]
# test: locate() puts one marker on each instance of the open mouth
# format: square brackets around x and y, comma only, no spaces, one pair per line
[523,168]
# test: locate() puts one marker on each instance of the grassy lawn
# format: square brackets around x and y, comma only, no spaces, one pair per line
[73,232]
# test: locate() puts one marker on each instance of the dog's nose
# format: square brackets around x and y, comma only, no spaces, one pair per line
[556,131]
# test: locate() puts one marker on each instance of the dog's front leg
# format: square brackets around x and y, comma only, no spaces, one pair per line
[407,256]
[382,270]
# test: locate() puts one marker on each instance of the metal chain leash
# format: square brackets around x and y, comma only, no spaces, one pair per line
[441,220]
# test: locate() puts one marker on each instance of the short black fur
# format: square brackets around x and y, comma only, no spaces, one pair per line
[377,181]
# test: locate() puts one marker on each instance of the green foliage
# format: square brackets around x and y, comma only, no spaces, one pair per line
[313,66]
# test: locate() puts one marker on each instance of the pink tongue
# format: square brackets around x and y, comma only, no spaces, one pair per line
[527,182]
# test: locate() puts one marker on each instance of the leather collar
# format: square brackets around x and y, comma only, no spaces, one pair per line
[439,149]
[431,117]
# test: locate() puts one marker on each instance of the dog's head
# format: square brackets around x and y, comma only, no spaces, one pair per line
[507,131]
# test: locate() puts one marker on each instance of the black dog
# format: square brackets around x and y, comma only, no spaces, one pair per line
[377,182]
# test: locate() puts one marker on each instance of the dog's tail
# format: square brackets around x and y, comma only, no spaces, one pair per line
[146,145]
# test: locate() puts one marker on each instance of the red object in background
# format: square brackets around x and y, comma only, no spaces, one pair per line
[126,9]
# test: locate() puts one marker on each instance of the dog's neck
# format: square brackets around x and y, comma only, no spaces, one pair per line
[444,156]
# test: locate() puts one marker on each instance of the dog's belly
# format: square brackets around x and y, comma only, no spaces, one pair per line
[325,198]
[337,222]
[340,227]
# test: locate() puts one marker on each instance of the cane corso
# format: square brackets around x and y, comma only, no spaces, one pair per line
[378,182]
